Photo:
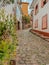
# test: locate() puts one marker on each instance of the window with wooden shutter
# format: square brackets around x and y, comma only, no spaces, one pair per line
[36,24]
[44,22]
[36,9]
[43,2]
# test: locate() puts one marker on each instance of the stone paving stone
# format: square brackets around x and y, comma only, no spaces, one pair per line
[32,50]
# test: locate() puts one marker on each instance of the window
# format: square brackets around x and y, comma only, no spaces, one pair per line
[36,9]
[44,22]
[36,24]
[43,2]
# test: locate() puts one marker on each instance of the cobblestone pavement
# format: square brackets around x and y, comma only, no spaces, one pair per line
[32,50]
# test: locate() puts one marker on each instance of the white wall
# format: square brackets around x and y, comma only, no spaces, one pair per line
[19,15]
[42,11]
[9,9]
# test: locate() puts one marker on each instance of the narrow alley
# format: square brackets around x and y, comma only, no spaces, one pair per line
[24,32]
[32,50]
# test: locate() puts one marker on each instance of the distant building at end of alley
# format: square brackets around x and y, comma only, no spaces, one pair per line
[22,10]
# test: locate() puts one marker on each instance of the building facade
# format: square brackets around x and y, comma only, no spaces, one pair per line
[13,9]
[41,16]
[19,15]
[21,10]
[8,8]
[24,8]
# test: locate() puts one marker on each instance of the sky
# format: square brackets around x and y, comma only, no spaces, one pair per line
[29,1]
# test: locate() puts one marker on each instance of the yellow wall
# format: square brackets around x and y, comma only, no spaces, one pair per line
[24,8]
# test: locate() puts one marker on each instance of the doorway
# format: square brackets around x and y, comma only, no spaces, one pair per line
[18,25]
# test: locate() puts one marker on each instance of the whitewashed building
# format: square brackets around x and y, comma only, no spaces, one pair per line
[41,16]
[11,9]
[8,8]
[19,14]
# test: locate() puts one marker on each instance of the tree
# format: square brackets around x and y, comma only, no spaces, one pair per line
[26,19]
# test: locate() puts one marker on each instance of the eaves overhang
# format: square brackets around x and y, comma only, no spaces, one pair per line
[33,3]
